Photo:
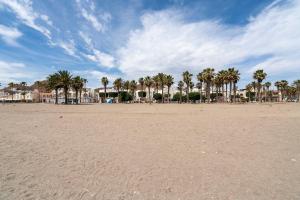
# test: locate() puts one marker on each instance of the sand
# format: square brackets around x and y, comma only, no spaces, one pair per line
[150,151]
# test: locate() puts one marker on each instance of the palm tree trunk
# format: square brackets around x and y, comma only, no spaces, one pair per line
[234,92]
[200,92]
[223,92]
[80,92]
[66,95]
[168,94]
[180,98]
[149,97]
[104,92]
[226,92]
[208,92]
[230,90]
[56,96]
[76,96]
[162,94]
[258,91]
[187,93]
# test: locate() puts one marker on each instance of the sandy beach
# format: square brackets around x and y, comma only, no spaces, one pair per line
[142,151]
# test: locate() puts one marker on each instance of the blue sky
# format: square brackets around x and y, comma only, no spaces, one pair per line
[134,38]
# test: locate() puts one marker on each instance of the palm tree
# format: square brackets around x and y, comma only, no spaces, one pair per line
[230,77]
[38,84]
[54,84]
[133,87]
[142,83]
[156,83]
[249,90]
[297,85]
[199,84]
[235,78]
[23,86]
[180,88]
[259,75]
[126,85]
[65,79]
[11,86]
[76,85]
[148,83]
[283,86]
[169,83]
[254,86]
[208,75]
[187,78]
[82,87]
[222,77]
[161,78]
[118,86]
[268,85]
[218,83]
[226,79]
[104,81]
[278,86]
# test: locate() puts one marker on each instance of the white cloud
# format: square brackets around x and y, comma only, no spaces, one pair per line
[46,19]
[92,19]
[96,55]
[10,35]
[98,21]
[168,43]
[12,72]
[69,47]
[24,11]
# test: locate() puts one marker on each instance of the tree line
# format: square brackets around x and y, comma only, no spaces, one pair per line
[212,86]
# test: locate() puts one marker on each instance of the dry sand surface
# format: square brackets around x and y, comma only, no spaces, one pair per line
[140,151]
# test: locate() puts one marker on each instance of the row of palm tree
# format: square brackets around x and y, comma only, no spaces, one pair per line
[65,80]
[159,81]
[223,84]
[209,82]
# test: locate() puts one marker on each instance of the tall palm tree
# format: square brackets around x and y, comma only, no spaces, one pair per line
[230,78]
[236,78]
[180,88]
[133,87]
[208,75]
[104,81]
[118,86]
[218,83]
[200,84]
[38,85]
[156,82]
[283,86]
[187,78]
[278,86]
[249,90]
[148,83]
[142,83]
[226,79]
[297,85]
[254,86]
[11,86]
[169,83]
[162,80]
[268,85]
[65,79]
[222,77]
[82,87]
[126,85]
[76,85]
[54,84]
[23,86]
[259,75]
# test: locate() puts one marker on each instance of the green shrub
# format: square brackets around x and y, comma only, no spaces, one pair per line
[125,96]
[142,94]
[157,96]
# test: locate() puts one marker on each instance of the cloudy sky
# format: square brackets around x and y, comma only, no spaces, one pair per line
[134,38]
